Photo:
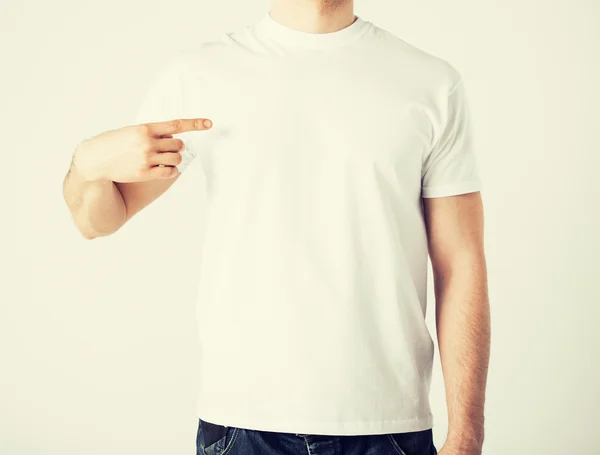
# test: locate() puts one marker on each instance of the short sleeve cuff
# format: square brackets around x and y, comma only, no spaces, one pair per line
[186,156]
[452,189]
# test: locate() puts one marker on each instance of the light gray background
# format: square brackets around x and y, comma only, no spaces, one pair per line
[97,339]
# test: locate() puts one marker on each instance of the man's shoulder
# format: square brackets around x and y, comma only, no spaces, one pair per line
[409,57]
[218,50]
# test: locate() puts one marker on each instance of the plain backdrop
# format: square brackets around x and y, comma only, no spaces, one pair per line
[98,338]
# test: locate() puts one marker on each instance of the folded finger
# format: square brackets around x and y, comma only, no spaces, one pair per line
[169,145]
[166,159]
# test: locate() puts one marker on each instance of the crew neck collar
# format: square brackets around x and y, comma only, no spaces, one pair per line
[285,35]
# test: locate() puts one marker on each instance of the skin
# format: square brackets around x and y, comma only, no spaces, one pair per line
[314,16]
[455,238]
[116,174]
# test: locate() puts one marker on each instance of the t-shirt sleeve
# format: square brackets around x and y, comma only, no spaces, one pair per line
[451,166]
[163,101]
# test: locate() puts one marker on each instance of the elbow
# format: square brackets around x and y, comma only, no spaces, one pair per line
[90,233]
[87,235]
[466,264]
[86,232]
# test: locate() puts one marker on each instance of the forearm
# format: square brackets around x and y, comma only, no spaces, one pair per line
[463,330]
[96,206]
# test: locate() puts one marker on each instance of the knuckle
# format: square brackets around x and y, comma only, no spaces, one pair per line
[176,124]
[147,146]
[146,160]
[144,129]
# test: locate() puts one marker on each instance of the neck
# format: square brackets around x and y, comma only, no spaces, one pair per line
[314,16]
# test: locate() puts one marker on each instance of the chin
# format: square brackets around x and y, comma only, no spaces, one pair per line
[328,5]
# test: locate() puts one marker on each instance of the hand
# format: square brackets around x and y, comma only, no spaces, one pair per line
[134,153]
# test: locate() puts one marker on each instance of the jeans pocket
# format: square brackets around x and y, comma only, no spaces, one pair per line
[413,442]
[214,439]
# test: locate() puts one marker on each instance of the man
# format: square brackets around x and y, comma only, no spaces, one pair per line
[336,156]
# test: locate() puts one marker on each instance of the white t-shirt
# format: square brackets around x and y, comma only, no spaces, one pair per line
[312,285]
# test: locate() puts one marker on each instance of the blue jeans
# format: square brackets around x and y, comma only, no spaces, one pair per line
[213,439]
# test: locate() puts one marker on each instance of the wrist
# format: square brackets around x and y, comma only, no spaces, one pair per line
[81,166]
[467,440]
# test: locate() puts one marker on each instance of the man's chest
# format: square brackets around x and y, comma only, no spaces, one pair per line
[295,115]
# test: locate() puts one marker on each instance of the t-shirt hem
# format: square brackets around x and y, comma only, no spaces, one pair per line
[332,428]
[452,189]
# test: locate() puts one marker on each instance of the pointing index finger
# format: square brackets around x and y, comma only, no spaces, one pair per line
[179,126]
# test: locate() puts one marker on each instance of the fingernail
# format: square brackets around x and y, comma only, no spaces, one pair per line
[207,123]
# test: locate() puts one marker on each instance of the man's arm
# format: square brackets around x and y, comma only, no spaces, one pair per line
[455,238]
[117,173]
[101,207]
[96,206]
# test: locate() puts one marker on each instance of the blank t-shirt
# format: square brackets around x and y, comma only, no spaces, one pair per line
[313,271]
